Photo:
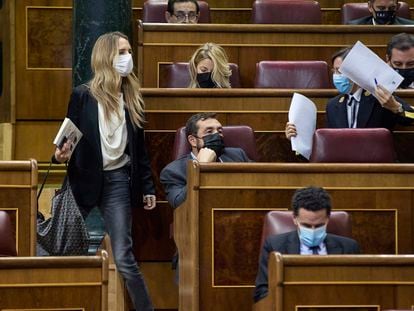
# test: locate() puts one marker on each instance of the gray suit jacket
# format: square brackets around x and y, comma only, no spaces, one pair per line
[288,243]
[174,175]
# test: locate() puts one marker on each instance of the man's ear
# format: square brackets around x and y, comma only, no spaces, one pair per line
[168,17]
[192,140]
[295,221]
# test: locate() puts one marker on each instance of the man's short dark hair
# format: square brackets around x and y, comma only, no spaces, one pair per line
[170,7]
[311,199]
[402,42]
[191,127]
[342,53]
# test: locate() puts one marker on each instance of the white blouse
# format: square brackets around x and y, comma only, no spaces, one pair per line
[114,137]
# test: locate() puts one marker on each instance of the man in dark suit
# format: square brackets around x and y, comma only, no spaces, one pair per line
[383,12]
[357,108]
[311,209]
[204,134]
[400,56]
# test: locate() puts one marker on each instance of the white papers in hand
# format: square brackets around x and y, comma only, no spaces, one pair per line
[302,113]
[366,69]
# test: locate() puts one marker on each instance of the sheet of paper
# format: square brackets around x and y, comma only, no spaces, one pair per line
[367,69]
[302,113]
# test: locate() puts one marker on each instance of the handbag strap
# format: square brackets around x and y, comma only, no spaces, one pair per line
[44,182]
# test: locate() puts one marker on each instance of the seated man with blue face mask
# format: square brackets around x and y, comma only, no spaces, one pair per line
[311,209]
[357,108]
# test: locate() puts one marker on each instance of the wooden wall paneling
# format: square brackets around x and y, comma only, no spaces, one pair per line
[248,44]
[18,186]
[43,57]
[231,205]
[7,62]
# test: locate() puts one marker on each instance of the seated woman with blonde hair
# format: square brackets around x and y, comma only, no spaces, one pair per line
[209,67]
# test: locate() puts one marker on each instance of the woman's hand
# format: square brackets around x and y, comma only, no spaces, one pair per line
[150,201]
[290,130]
[63,155]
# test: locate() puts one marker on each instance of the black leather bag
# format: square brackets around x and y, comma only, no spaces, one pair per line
[65,232]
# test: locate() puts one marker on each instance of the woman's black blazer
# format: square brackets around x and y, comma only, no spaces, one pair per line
[85,170]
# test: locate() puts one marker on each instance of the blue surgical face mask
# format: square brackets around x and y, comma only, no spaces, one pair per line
[312,237]
[342,83]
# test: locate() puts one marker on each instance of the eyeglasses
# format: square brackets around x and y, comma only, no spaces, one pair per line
[181,16]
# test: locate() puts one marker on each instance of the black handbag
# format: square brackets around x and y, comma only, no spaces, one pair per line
[65,232]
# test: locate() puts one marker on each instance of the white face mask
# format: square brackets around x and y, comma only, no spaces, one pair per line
[123,64]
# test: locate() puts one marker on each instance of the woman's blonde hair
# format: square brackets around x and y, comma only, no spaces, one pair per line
[221,71]
[106,81]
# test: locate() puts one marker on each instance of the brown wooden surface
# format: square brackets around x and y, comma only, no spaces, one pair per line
[219,246]
[7,71]
[248,44]
[69,283]
[18,185]
[349,282]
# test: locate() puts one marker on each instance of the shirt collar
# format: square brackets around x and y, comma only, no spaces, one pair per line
[357,95]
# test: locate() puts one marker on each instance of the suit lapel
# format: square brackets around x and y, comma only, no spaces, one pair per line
[228,157]
[365,109]
[341,115]
[293,245]
[332,247]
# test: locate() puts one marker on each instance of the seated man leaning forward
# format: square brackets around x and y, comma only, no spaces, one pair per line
[311,209]
[205,136]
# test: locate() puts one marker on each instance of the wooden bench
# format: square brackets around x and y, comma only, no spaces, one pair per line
[54,283]
[346,282]
[248,44]
[218,228]
[18,186]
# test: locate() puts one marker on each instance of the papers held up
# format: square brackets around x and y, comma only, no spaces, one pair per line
[302,113]
[366,69]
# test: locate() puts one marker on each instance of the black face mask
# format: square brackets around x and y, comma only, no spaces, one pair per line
[384,17]
[204,80]
[214,142]
[408,75]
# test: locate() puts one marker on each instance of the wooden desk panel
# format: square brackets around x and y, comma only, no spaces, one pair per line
[218,228]
[18,186]
[54,283]
[337,282]
[248,44]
